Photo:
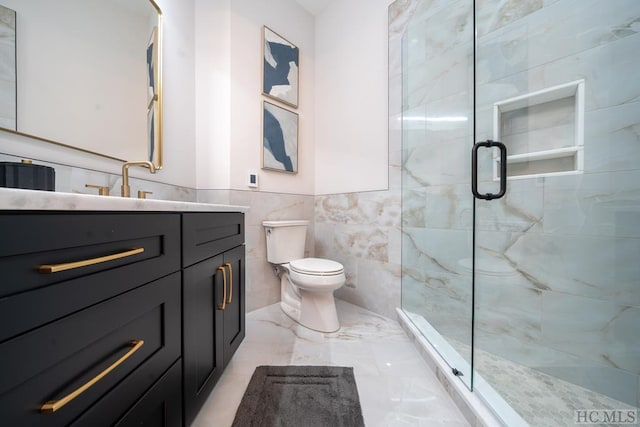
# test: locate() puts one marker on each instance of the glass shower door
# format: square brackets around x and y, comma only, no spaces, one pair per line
[437,207]
[557,271]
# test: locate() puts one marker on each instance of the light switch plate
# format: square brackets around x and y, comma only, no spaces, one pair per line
[253,180]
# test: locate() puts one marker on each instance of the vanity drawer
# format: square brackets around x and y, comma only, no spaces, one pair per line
[161,406]
[114,252]
[52,362]
[205,234]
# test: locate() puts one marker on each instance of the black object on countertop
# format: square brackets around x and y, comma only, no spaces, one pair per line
[27,176]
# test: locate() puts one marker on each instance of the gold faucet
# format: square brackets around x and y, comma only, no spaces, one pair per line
[126,190]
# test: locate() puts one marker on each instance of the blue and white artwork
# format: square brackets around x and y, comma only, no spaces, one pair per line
[280,75]
[152,71]
[153,101]
[279,139]
[152,134]
[7,68]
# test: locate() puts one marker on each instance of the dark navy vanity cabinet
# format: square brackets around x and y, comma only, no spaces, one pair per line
[214,269]
[103,316]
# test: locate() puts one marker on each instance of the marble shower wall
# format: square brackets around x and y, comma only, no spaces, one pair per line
[437,206]
[558,273]
[577,242]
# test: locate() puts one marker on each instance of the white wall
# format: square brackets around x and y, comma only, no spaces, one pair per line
[229,101]
[343,115]
[351,97]
[213,97]
[292,22]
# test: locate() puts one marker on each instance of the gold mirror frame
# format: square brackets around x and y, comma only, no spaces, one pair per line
[158,160]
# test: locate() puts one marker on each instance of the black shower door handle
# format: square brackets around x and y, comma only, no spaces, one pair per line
[503,169]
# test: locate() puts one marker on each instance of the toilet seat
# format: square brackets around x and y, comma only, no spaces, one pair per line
[316,267]
[316,274]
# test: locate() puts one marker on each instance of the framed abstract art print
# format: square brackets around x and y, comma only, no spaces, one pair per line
[280,68]
[279,138]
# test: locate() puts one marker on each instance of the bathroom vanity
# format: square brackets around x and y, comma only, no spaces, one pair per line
[119,315]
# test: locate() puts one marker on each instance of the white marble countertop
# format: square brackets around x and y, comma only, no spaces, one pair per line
[15,199]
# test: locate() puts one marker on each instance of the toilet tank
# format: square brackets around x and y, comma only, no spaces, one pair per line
[285,240]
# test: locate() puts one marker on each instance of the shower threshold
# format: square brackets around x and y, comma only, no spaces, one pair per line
[545,401]
[481,409]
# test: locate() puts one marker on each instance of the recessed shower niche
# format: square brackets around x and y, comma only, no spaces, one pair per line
[543,132]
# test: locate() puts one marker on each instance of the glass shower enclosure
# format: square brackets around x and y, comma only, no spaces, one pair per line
[531,296]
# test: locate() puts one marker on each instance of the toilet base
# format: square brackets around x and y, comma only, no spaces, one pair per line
[324,320]
[318,311]
[313,310]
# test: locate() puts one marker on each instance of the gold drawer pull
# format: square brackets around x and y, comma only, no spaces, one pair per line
[224,288]
[228,264]
[54,405]
[55,268]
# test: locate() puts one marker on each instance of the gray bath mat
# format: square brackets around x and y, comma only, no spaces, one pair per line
[295,396]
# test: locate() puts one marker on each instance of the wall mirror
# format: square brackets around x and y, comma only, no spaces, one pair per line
[88,75]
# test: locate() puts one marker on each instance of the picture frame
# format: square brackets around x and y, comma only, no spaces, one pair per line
[279,138]
[280,68]
[152,68]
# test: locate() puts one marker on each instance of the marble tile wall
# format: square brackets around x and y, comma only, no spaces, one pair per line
[581,267]
[557,283]
[362,231]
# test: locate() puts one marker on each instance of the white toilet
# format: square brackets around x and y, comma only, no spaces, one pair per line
[307,284]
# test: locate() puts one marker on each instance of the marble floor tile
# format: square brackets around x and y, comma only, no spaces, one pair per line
[396,387]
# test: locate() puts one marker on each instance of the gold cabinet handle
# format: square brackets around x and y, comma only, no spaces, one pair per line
[224,288]
[54,405]
[55,268]
[228,264]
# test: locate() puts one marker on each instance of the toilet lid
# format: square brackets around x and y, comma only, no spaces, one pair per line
[316,266]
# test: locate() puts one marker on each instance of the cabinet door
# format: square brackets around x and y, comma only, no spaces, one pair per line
[234,312]
[202,323]
[161,405]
